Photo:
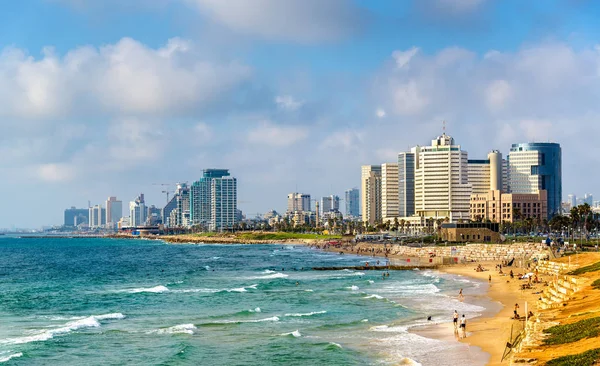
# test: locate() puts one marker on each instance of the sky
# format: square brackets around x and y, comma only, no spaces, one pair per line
[116,98]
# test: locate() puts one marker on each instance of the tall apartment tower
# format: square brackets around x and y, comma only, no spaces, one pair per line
[537,166]
[213,200]
[352,202]
[114,211]
[479,176]
[298,202]
[485,175]
[223,203]
[330,203]
[76,216]
[97,217]
[389,190]
[406,184]
[371,193]
[138,213]
[182,205]
[442,188]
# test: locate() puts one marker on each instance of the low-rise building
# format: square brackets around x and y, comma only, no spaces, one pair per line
[496,206]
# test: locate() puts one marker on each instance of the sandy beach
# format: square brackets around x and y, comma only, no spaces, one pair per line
[491,331]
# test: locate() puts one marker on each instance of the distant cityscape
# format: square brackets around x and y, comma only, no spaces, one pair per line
[425,187]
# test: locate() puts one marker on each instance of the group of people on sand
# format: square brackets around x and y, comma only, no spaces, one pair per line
[462,326]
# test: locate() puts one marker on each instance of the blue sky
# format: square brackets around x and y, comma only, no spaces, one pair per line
[106,98]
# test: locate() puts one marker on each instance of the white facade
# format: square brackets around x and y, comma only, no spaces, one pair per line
[389,190]
[519,171]
[97,217]
[442,186]
[223,203]
[138,213]
[298,202]
[371,193]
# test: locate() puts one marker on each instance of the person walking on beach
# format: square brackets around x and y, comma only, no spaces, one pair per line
[463,326]
[460,296]
[455,320]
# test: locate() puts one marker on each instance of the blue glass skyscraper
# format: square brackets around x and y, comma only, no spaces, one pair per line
[537,166]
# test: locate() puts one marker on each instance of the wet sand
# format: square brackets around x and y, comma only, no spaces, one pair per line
[492,329]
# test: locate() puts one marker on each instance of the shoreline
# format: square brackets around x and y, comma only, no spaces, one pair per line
[488,333]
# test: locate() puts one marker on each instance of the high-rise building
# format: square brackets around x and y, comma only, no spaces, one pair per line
[589,199]
[537,166]
[389,190]
[479,176]
[326,204]
[114,211]
[406,184]
[330,203]
[442,188]
[154,216]
[352,203]
[97,217]
[223,203]
[572,200]
[298,202]
[213,200]
[371,193]
[182,199]
[76,216]
[138,213]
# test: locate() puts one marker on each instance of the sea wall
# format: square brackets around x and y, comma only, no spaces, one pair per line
[469,252]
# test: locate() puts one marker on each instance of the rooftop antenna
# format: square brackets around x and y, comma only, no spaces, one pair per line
[444,126]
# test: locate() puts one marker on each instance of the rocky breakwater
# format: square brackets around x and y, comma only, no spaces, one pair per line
[224,239]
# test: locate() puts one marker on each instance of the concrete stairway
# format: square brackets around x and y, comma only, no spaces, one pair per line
[562,286]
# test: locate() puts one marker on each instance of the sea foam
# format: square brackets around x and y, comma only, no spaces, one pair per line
[295,333]
[7,358]
[155,289]
[306,314]
[179,329]
[89,322]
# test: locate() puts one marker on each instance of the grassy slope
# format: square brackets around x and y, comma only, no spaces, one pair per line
[560,334]
[588,358]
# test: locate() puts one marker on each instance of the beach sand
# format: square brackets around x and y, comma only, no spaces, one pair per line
[492,330]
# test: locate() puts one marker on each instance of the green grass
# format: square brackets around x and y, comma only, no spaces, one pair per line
[596,284]
[205,234]
[588,358]
[284,236]
[560,334]
[591,268]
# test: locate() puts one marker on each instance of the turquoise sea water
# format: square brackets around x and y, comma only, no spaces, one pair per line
[142,302]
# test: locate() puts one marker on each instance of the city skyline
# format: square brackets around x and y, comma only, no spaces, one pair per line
[110,100]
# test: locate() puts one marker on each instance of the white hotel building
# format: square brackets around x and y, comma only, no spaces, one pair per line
[442,188]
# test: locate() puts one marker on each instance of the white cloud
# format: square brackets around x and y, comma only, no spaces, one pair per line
[346,140]
[55,172]
[402,58]
[125,77]
[408,99]
[203,132]
[498,94]
[459,6]
[133,141]
[380,113]
[278,136]
[285,20]
[288,102]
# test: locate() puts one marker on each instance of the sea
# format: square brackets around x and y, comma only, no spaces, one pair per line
[93,301]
